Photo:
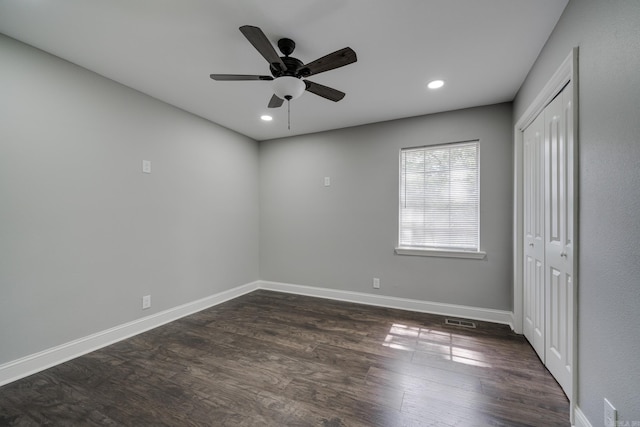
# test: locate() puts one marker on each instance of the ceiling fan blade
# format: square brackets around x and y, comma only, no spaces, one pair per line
[262,44]
[238,77]
[337,59]
[324,91]
[275,102]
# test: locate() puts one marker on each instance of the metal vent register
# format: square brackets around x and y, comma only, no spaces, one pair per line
[460,322]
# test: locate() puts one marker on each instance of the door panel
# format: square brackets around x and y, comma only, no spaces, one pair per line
[548,285]
[558,238]
[534,274]
[534,308]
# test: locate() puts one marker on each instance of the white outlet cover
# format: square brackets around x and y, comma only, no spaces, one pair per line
[146,166]
[327,181]
[610,414]
[146,301]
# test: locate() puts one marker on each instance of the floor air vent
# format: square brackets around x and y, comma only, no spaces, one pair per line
[458,322]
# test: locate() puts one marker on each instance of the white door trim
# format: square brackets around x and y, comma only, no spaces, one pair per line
[568,71]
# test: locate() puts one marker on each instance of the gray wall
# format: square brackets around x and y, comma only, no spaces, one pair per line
[83,233]
[608,36]
[342,236]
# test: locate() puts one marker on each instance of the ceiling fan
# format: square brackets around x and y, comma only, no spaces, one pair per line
[287,72]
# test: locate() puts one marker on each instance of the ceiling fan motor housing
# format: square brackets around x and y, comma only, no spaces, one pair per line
[292,64]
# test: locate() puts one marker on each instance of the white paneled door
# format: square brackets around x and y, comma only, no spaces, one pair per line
[534,257]
[559,236]
[548,236]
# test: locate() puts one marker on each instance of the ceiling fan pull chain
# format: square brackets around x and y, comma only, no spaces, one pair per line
[289,114]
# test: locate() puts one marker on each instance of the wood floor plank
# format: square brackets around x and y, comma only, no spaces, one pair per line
[276,359]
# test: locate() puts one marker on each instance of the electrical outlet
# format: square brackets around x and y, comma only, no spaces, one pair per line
[146,302]
[146,166]
[327,181]
[376,283]
[610,414]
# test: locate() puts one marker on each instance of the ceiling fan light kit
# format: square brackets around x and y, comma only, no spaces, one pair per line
[287,72]
[288,87]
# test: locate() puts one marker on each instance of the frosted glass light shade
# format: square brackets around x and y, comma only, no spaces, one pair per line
[287,86]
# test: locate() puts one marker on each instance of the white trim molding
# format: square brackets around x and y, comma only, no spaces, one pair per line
[453,310]
[48,358]
[441,253]
[580,419]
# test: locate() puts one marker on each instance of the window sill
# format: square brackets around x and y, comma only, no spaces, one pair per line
[441,253]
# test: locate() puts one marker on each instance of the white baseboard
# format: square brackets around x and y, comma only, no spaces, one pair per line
[580,418]
[37,362]
[453,310]
[40,361]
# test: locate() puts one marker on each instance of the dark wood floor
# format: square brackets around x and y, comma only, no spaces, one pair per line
[272,359]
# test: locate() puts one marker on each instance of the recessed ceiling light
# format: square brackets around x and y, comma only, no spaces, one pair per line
[435,84]
[266,118]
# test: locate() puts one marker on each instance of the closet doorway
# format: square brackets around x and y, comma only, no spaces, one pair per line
[545,249]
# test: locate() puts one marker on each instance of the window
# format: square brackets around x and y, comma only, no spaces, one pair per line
[440,200]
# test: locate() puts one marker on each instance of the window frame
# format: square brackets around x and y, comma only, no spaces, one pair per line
[435,251]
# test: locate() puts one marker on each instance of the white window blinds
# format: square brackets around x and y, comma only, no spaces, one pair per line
[440,197]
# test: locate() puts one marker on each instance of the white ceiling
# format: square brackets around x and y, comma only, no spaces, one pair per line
[483,49]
